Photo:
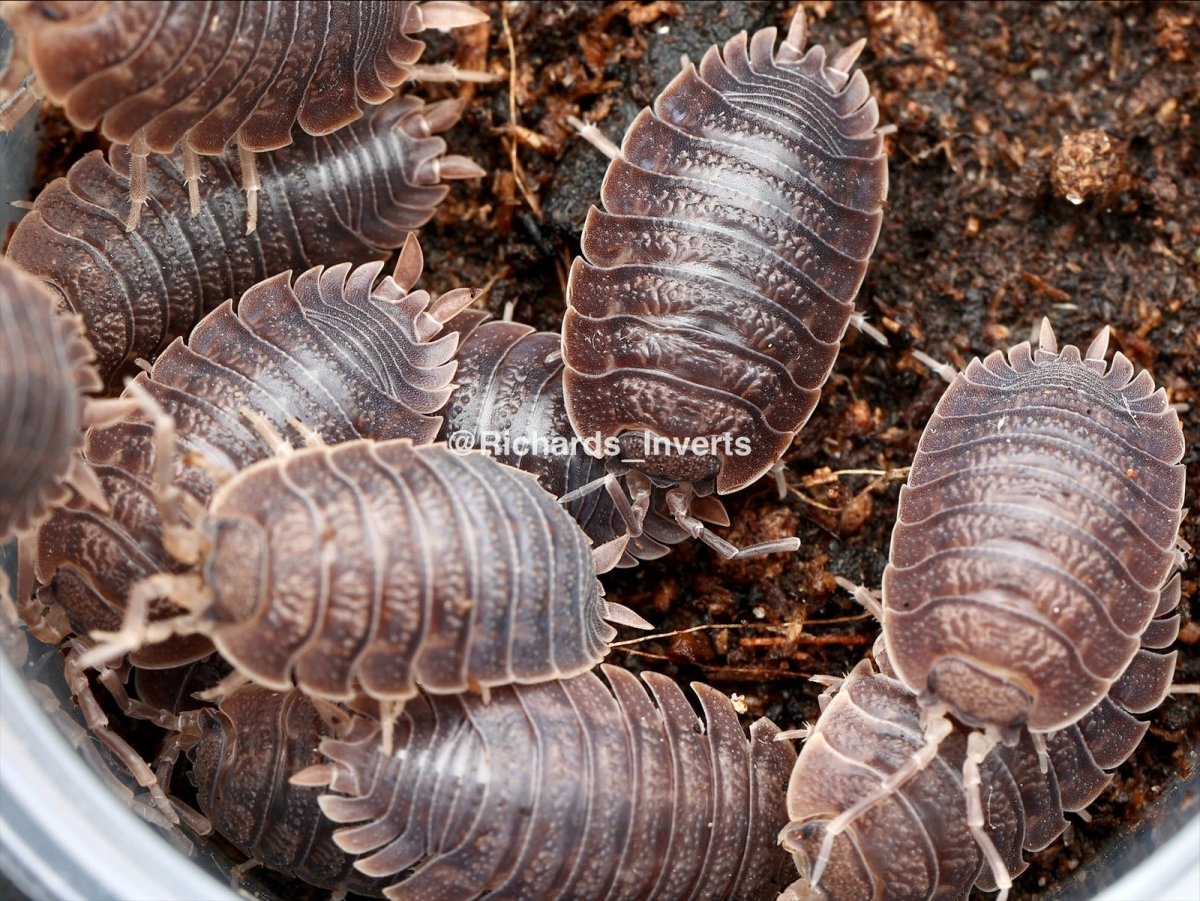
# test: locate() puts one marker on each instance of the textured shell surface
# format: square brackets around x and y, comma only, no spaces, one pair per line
[718,281]
[46,371]
[1036,536]
[331,351]
[380,565]
[346,198]
[508,401]
[622,792]
[248,749]
[916,842]
[154,75]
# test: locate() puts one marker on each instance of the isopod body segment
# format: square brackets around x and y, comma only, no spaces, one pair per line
[246,751]
[345,198]
[917,841]
[155,76]
[328,353]
[508,401]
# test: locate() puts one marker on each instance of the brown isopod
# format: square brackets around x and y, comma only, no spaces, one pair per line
[1026,562]
[47,372]
[564,790]
[243,754]
[1035,551]
[932,836]
[374,566]
[154,76]
[345,198]
[714,291]
[330,354]
[508,402]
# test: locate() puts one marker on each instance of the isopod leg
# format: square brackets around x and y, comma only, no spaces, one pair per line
[183,540]
[138,190]
[859,321]
[251,185]
[979,745]
[224,688]
[937,727]
[279,445]
[945,370]
[191,175]
[47,622]
[864,595]
[97,722]
[679,504]
[187,591]
[186,730]
[632,513]
[779,476]
[133,707]
[238,874]
[595,137]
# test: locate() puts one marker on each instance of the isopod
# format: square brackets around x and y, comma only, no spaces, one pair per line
[346,198]
[919,842]
[242,753]
[373,566]
[245,753]
[715,288]
[329,355]
[154,76]
[1035,552]
[568,789]
[1035,536]
[508,401]
[47,374]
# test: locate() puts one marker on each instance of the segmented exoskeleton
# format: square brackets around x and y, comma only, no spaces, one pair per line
[155,76]
[919,842]
[47,372]
[508,402]
[328,355]
[346,198]
[1036,535]
[576,790]
[247,750]
[716,287]
[1033,556]
[374,566]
